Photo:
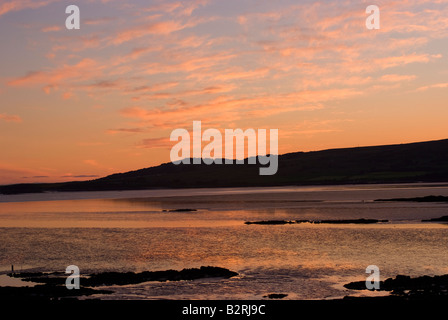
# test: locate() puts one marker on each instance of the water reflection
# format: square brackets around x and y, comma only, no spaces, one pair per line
[304,260]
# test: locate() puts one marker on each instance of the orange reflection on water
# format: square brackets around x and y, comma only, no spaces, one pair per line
[101,213]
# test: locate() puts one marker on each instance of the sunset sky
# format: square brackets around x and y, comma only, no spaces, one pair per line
[81,104]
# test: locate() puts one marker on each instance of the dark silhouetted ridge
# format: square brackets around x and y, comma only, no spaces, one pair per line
[403,163]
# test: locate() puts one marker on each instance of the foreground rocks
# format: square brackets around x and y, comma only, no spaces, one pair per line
[51,286]
[46,292]
[407,287]
[118,278]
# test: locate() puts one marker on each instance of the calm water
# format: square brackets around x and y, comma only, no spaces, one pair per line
[130,231]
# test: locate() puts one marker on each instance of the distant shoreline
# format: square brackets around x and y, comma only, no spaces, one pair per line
[169,192]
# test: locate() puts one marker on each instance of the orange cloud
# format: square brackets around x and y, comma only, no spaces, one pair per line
[126,130]
[189,64]
[67,95]
[434,86]
[51,28]
[223,109]
[153,143]
[10,118]
[164,27]
[12,173]
[147,93]
[95,164]
[241,74]
[83,70]
[91,162]
[397,78]
[17,5]
[178,8]
[98,21]
[152,88]
[389,62]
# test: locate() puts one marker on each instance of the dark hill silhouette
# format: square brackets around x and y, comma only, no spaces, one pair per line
[413,162]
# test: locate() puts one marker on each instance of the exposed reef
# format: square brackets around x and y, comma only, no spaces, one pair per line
[51,286]
[179,210]
[418,199]
[119,278]
[441,219]
[276,296]
[407,287]
[343,221]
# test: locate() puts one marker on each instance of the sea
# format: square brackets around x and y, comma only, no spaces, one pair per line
[144,230]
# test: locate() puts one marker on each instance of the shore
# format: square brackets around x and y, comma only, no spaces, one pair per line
[51,286]
[286,246]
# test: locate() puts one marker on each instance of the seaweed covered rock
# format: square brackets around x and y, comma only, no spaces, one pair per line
[120,278]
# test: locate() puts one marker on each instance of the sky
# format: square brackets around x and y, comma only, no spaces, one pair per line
[84,103]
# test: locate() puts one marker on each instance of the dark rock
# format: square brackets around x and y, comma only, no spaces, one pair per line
[347,221]
[49,278]
[405,286]
[53,286]
[441,219]
[46,292]
[419,199]
[270,222]
[122,278]
[276,296]
[350,221]
[119,278]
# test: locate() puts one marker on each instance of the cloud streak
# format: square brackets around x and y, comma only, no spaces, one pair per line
[18,5]
[10,118]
